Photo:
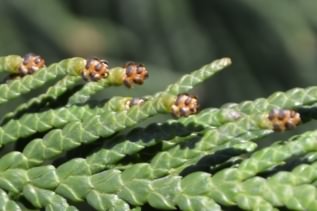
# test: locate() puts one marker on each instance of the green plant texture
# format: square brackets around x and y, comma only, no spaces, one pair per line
[61,150]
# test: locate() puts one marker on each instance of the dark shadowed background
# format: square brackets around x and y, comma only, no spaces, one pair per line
[272,43]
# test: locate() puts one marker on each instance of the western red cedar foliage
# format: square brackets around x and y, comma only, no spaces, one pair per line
[67,150]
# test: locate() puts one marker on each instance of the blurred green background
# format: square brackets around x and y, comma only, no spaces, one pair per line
[273,44]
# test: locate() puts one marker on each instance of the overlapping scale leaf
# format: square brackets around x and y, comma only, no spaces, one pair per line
[77,133]
[10,63]
[49,200]
[55,118]
[178,156]
[216,187]
[16,88]
[51,94]
[6,203]
[291,99]
[222,135]
[212,117]
[138,176]
[187,82]
[228,136]
[158,197]
[114,78]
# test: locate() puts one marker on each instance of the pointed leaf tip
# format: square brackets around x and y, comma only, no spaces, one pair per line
[221,63]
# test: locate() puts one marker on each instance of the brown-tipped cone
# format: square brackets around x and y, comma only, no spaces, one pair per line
[134,74]
[95,69]
[185,105]
[282,119]
[30,64]
[134,101]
